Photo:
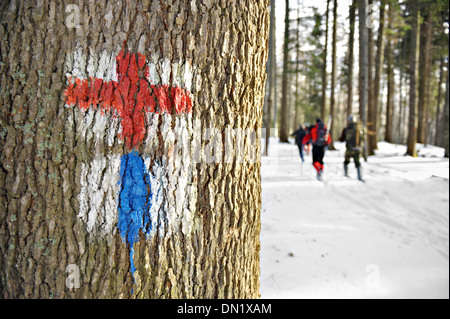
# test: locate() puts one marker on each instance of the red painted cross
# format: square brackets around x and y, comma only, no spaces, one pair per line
[130,97]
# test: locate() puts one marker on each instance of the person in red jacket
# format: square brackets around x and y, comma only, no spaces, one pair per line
[320,139]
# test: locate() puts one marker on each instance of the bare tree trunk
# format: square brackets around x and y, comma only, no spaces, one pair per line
[270,76]
[424,76]
[414,52]
[390,94]
[284,126]
[402,111]
[398,114]
[363,66]
[290,99]
[403,119]
[445,120]
[351,40]
[275,81]
[297,70]
[373,120]
[399,118]
[98,100]
[370,87]
[437,135]
[333,75]
[324,70]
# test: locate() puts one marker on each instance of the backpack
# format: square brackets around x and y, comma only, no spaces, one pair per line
[299,136]
[353,136]
[321,135]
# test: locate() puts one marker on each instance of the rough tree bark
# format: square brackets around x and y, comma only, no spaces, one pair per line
[77,168]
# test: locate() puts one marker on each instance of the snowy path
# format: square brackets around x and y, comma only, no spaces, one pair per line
[386,238]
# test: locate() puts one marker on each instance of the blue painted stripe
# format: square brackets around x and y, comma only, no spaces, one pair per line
[134,200]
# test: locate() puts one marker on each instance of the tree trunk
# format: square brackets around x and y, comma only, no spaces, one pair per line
[413,57]
[270,76]
[373,120]
[388,136]
[398,115]
[275,85]
[370,82]
[351,57]
[363,66]
[297,71]
[284,86]
[323,109]
[445,119]
[108,185]
[403,115]
[289,103]
[424,76]
[333,75]
[437,135]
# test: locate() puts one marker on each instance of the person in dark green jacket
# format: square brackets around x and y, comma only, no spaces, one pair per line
[352,135]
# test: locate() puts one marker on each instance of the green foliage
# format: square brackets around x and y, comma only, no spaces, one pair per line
[398,31]
[312,65]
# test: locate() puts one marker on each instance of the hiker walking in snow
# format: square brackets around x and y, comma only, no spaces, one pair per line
[299,135]
[352,135]
[320,139]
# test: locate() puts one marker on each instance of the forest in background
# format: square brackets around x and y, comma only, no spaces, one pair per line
[393,74]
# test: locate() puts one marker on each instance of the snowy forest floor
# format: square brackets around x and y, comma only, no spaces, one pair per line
[341,238]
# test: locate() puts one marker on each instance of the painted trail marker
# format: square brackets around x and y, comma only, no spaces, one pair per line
[130,95]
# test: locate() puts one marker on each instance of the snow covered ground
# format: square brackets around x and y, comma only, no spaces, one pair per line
[386,238]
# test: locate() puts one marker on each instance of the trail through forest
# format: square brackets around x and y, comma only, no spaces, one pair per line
[341,238]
